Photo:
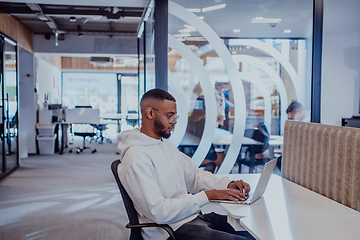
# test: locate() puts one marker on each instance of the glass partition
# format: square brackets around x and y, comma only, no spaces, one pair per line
[9,106]
[98,90]
[238,67]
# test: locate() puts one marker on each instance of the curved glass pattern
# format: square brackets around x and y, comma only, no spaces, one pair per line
[234,82]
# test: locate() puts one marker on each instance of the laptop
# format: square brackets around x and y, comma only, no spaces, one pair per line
[260,187]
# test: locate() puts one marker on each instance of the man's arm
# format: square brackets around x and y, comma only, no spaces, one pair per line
[215,188]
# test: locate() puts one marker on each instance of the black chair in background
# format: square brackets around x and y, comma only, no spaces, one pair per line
[134,224]
[261,135]
[84,134]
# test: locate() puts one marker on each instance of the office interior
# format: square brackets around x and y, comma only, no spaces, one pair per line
[270,47]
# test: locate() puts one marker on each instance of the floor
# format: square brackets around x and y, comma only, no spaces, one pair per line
[68,196]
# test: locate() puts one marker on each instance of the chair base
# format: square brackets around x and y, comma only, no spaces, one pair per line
[81,149]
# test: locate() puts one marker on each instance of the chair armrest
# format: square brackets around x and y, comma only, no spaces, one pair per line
[166,227]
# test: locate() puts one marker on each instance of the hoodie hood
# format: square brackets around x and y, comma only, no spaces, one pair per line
[134,137]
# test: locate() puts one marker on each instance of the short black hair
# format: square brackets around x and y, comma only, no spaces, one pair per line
[158,94]
[294,105]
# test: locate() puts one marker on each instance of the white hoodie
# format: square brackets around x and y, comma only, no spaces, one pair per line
[164,184]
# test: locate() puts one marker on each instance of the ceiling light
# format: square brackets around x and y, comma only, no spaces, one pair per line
[194,9]
[191,28]
[72,19]
[287,31]
[185,30]
[266,20]
[201,17]
[236,30]
[195,39]
[215,7]
[182,35]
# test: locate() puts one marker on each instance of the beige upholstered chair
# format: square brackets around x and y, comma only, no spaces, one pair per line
[325,159]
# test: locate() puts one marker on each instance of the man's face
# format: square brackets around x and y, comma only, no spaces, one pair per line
[163,115]
[295,115]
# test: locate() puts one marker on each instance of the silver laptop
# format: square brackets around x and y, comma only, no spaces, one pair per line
[260,187]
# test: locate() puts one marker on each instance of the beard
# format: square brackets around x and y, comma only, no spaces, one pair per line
[160,129]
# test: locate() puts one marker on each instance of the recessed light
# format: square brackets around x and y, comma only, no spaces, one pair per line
[287,31]
[201,17]
[194,9]
[185,30]
[265,20]
[236,30]
[182,35]
[215,7]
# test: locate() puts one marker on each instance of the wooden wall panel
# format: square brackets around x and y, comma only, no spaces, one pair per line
[24,37]
[15,30]
[73,63]
[52,59]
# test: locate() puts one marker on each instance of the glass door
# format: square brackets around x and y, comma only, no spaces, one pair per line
[2,160]
[8,106]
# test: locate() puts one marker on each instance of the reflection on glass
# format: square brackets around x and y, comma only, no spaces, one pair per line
[273,67]
[10,107]
[150,51]
[100,91]
[129,94]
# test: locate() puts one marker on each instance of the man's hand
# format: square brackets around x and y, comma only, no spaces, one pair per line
[240,185]
[228,194]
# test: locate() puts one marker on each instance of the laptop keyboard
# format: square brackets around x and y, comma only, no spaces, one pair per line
[249,198]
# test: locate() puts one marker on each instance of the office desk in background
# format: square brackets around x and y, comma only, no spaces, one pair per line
[77,116]
[289,211]
[118,117]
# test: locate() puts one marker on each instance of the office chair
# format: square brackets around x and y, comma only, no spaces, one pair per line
[134,224]
[261,135]
[83,134]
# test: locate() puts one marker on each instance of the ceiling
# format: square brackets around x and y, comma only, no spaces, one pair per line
[122,17]
[92,19]
[294,15]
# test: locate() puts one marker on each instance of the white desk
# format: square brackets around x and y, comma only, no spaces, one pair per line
[288,211]
[276,140]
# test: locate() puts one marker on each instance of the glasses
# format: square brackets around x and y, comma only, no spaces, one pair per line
[172,117]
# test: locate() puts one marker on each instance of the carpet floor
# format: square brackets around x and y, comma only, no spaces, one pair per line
[68,196]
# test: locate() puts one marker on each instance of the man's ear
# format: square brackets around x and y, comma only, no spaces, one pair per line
[149,113]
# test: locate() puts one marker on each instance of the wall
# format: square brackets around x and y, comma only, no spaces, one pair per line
[87,44]
[27,104]
[341,58]
[48,81]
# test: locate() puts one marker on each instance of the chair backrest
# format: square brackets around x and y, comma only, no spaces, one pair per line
[129,206]
[324,159]
[261,135]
